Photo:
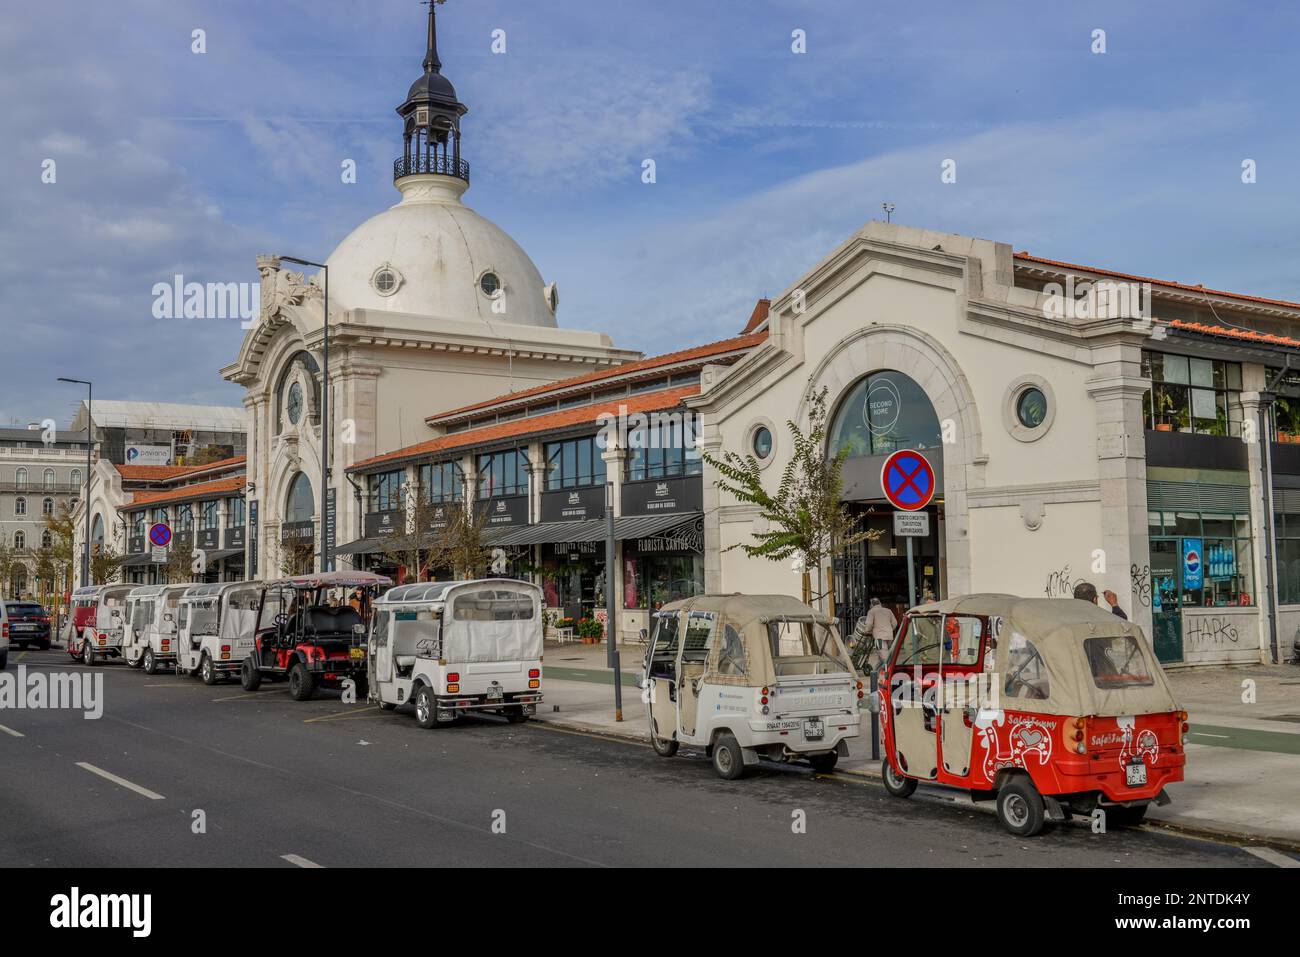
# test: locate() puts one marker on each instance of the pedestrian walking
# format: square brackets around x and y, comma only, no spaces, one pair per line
[880,624]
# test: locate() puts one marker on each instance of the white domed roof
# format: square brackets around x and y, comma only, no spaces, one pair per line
[438,251]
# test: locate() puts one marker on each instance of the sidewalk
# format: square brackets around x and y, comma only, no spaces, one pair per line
[1243,757]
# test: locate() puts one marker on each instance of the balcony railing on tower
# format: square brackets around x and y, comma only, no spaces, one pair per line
[442,163]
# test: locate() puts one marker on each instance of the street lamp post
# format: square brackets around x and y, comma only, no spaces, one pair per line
[326,553]
[90,398]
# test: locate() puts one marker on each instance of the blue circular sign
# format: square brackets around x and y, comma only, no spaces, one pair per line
[160,535]
[907,479]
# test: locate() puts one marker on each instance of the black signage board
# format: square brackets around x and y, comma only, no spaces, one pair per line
[209,539]
[509,510]
[664,496]
[379,524]
[298,532]
[235,538]
[135,545]
[331,528]
[573,504]
[252,541]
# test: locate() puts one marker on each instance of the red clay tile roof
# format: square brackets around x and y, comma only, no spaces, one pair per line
[1229,333]
[1169,284]
[641,365]
[758,316]
[647,402]
[184,493]
[159,473]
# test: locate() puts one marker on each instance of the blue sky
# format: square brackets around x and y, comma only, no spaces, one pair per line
[172,162]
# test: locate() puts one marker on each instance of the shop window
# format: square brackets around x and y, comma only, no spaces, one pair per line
[1190,394]
[1203,560]
[652,581]
[502,473]
[665,448]
[882,413]
[442,482]
[574,463]
[386,494]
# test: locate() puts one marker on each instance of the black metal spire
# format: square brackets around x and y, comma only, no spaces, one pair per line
[431,117]
[431,62]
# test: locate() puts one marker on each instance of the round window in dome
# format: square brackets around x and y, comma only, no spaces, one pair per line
[762,442]
[386,280]
[1031,408]
[489,283]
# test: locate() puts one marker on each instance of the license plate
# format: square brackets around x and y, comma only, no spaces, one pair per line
[1136,774]
[814,730]
[24,627]
[356,654]
[493,693]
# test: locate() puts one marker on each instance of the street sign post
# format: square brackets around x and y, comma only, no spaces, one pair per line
[907,478]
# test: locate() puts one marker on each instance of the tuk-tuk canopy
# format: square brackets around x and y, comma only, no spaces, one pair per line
[483,620]
[331,580]
[1065,656]
[762,637]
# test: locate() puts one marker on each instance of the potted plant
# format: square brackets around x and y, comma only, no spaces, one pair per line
[590,631]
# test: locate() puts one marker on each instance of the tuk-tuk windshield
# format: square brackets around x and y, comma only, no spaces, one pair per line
[804,647]
[1117,663]
[203,618]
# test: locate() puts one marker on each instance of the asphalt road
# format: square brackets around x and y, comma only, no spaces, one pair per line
[283,783]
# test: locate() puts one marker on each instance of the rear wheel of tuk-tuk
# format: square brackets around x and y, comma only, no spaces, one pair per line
[895,783]
[728,757]
[88,654]
[301,683]
[426,707]
[148,663]
[250,679]
[208,670]
[664,747]
[1020,807]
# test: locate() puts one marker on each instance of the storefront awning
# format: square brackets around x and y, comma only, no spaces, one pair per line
[362,546]
[592,530]
[134,561]
[223,554]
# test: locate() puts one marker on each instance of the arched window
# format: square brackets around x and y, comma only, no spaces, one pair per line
[97,530]
[20,478]
[47,506]
[20,540]
[46,539]
[75,478]
[49,478]
[882,413]
[20,506]
[301,503]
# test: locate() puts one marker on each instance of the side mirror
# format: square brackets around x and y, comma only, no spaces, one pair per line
[359,630]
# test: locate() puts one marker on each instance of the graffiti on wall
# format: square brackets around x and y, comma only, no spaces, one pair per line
[1209,632]
[1141,576]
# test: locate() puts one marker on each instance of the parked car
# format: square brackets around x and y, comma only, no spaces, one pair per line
[457,647]
[4,639]
[1048,706]
[302,638]
[749,677]
[27,624]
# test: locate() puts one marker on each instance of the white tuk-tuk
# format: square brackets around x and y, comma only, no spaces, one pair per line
[456,647]
[102,622]
[150,636]
[749,677]
[216,628]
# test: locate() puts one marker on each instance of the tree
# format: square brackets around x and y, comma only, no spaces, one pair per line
[105,563]
[63,545]
[438,537]
[806,519]
[9,564]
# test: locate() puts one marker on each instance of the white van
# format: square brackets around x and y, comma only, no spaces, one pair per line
[150,636]
[456,647]
[216,628]
[105,622]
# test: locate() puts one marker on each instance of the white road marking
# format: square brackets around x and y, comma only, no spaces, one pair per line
[1205,734]
[123,782]
[11,732]
[300,861]
[1276,858]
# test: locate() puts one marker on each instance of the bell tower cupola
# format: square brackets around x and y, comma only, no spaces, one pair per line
[431,118]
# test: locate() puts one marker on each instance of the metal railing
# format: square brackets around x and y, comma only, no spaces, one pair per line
[431,163]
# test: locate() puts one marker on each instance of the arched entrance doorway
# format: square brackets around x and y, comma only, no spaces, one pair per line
[298,530]
[881,413]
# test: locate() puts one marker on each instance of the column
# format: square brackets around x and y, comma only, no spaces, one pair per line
[1262,550]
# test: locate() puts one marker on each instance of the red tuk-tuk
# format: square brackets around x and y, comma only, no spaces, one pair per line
[1050,707]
